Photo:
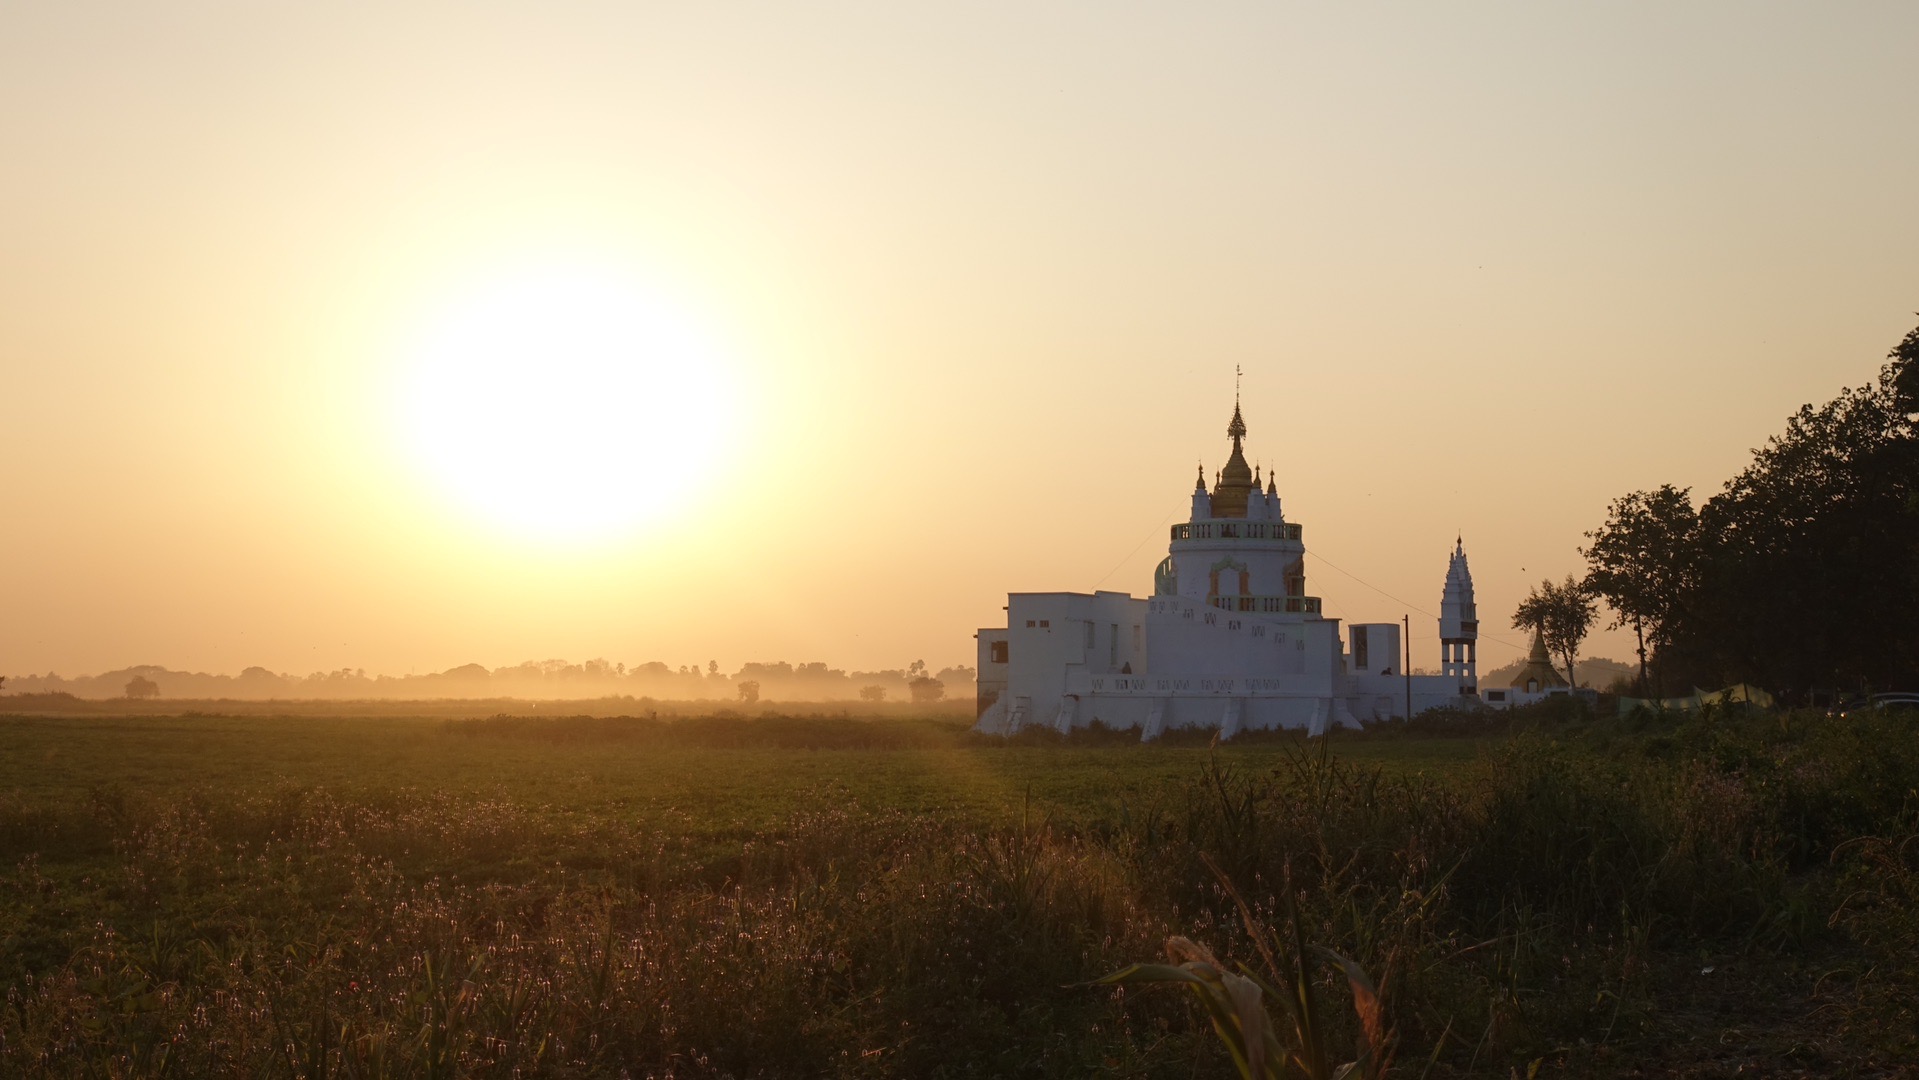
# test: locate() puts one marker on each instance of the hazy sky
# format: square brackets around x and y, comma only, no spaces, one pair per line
[942,301]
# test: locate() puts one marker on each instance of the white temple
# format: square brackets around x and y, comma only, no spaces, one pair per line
[1229,640]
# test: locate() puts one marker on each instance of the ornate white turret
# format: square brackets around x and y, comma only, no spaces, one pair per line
[1459,624]
[1256,505]
[1236,553]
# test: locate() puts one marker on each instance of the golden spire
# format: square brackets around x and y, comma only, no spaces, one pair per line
[1237,429]
[1236,479]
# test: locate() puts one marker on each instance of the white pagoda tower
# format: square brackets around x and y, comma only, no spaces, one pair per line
[1459,625]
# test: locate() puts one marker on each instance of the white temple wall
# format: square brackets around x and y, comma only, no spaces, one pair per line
[1383,697]
[1206,712]
[1194,639]
[1118,713]
[1052,637]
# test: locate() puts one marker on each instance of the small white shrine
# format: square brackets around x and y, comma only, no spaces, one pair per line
[1229,640]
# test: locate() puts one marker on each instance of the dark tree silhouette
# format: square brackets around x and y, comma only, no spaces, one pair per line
[1810,557]
[1641,564]
[1562,614]
[1803,572]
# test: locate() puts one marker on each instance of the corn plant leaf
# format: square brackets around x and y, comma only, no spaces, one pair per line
[1374,1039]
[1254,1028]
[1182,950]
[1151,973]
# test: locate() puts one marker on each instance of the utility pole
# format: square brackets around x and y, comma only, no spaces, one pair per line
[1407,667]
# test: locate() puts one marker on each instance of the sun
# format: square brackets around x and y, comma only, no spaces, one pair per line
[571,403]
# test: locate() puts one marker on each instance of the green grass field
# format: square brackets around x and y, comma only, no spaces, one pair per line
[596,765]
[382,895]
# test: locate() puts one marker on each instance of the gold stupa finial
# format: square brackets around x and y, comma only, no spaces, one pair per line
[1235,482]
[1237,429]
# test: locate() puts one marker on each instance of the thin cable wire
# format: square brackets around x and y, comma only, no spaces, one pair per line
[1371,586]
[1409,604]
[1129,555]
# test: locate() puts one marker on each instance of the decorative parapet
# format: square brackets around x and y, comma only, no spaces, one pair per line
[1237,530]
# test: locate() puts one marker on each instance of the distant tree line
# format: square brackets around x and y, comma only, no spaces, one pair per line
[1801,574]
[544,679]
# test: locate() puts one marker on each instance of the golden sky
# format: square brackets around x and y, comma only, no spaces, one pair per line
[940,300]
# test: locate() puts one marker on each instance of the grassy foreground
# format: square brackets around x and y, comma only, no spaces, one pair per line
[834,896]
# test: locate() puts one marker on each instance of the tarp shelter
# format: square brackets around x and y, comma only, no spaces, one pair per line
[1737,692]
[1699,699]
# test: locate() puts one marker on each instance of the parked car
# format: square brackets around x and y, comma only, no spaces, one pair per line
[1878,703]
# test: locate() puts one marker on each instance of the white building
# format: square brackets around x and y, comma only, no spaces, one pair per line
[1229,640]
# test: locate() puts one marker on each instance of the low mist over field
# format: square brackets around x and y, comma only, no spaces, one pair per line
[544,680]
